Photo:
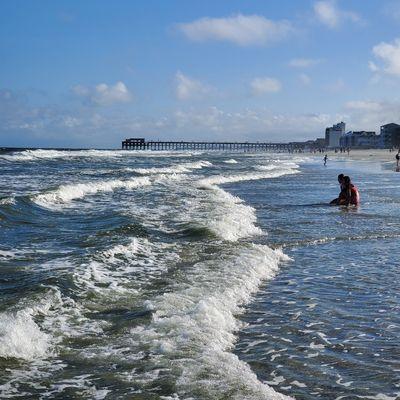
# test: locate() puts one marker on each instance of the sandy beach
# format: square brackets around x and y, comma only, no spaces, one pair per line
[364,155]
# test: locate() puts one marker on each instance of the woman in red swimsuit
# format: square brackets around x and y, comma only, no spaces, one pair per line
[350,194]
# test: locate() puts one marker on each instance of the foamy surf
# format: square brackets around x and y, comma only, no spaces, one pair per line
[66,193]
[194,326]
[174,169]
[221,179]
[229,218]
[7,254]
[7,201]
[109,273]
[45,155]
[20,337]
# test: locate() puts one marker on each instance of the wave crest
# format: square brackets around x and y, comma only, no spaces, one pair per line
[66,193]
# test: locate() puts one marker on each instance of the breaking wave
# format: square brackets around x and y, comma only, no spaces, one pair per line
[66,193]
[198,319]
[174,169]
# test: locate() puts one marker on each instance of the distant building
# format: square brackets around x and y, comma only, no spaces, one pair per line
[390,136]
[333,135]
[359,139]
[320,143]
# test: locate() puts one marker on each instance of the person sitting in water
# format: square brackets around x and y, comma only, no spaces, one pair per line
[342,194]
[351,194]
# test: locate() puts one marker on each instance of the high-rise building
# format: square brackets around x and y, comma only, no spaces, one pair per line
[390,136]
[333,134]
[359,139]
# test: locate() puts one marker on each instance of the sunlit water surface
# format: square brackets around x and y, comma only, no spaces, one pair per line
[194,275]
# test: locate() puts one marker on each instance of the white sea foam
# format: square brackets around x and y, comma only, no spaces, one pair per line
[122,269]
[267,167]
[7,254]
[84,383]
[35,328]
[229,218]
[20,337]
[221,179]
[67,193]
[194,325]
[230,161]
[174,169]
[43,154]
[214,209]
[7,201]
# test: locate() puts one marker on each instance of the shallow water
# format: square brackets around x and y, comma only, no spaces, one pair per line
[194,275]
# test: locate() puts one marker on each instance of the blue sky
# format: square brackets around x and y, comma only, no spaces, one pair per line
[90,73]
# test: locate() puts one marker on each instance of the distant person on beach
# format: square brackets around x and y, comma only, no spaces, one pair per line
[325,159]
[397,158]
[342,194]
[351,194]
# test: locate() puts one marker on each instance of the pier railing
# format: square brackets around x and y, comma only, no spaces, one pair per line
[141,144]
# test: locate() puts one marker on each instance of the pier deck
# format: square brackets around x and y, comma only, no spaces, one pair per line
[141,144]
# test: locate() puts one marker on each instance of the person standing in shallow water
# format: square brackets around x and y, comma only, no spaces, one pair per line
[397,159]
[325,159]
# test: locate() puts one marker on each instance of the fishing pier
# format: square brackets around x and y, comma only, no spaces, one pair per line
[142,144]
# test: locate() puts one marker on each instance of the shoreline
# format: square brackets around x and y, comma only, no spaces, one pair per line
[364,155]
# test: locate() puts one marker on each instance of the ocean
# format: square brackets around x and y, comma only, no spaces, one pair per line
[195,275]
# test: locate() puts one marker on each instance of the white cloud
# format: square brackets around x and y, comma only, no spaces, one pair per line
[328,13]
[265,85]
[188,88]
[389,54]
[372,66]
[27,125]
[303,62]
[305,79]
[24,124]
[256,124]
[243,30]
[362,105]
[103,94]
[371,114]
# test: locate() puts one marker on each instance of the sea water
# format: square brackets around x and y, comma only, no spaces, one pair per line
[194,275]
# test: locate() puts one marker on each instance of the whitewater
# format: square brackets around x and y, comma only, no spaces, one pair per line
[193,275]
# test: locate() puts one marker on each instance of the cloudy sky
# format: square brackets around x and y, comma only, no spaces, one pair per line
[90,73]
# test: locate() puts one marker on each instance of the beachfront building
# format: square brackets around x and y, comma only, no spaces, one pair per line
[359,139]
[390,136]
[333,135]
